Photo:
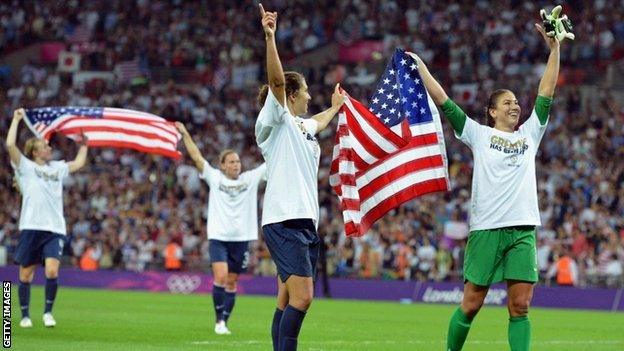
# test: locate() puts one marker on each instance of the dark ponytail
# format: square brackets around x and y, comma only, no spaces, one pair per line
[262,94]
[491,103]
[294,81]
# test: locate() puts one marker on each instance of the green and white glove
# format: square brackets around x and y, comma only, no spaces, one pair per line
[555,26]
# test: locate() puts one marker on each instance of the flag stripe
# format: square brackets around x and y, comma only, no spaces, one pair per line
[125,137]
[166,127]
[375,131]
[359,223]
[345,142]
[421,129]
[351,228]
[168,152]
[118,131]
[399,198]
[368,150]
[388,178]
[415,151]
[112,111]
[347,179]
[387,135]
[118,126]
[402,183]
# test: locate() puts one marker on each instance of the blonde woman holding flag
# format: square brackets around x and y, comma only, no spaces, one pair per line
[42,225]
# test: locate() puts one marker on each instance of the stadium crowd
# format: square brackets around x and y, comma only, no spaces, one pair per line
[126,207]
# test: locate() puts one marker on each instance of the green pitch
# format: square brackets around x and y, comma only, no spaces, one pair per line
[119,320]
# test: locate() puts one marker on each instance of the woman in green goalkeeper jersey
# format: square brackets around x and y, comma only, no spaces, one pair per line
[504,207]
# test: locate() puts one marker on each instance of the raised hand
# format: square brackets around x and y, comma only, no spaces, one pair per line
[552,42]
[19,114]
[269,21]
[338,97]
[181,128]
[414,56]
[83,139]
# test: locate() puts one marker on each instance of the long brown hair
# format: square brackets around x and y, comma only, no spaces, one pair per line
[491,103]
[294,81]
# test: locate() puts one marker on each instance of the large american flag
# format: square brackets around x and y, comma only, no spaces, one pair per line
[390,153]
[107,127]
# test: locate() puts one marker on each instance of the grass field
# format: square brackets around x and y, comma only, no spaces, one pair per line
[121,320]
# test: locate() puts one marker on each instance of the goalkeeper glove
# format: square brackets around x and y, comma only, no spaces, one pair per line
[555,26]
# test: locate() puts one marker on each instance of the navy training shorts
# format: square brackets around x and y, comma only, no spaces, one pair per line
[294,246]
[235,253]
[34,246]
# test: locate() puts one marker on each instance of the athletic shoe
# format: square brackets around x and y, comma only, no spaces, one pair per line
[26,323]
[221,328]
[48,320]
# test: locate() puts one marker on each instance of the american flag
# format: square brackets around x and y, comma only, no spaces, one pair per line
[78,34]
[128,70]
[107,127]
[390,153]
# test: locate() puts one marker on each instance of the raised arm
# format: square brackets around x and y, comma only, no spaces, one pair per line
[274,65]
[11,139]
[192,149]
[81,157]
[546,89]
[453,113]
[326,116]
[434,88]
[551,73]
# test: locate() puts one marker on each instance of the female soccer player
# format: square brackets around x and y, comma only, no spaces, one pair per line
[291,210]
[41,225]
[504,209]
[232,222]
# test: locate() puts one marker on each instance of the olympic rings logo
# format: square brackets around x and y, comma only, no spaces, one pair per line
[183,284]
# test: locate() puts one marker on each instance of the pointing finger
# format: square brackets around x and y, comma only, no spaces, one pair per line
[261,10]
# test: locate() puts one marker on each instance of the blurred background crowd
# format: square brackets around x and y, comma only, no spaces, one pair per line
[202,62]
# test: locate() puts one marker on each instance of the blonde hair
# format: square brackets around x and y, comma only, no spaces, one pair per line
[225,154]
[30,147]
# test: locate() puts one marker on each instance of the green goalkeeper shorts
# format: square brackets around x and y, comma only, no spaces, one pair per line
[494,255]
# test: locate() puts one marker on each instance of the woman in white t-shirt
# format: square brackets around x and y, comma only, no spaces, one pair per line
[232,222]
[42,225]
[504,208]
[290,211]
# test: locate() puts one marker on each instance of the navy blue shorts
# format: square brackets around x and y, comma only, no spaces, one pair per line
[294,246]
[34,246]
[235,253]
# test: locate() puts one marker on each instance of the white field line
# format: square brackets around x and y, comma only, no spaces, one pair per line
[411,342]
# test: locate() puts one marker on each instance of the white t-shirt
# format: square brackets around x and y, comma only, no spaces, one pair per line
[504,190]
[42,195]
[292,155]
[233,204]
